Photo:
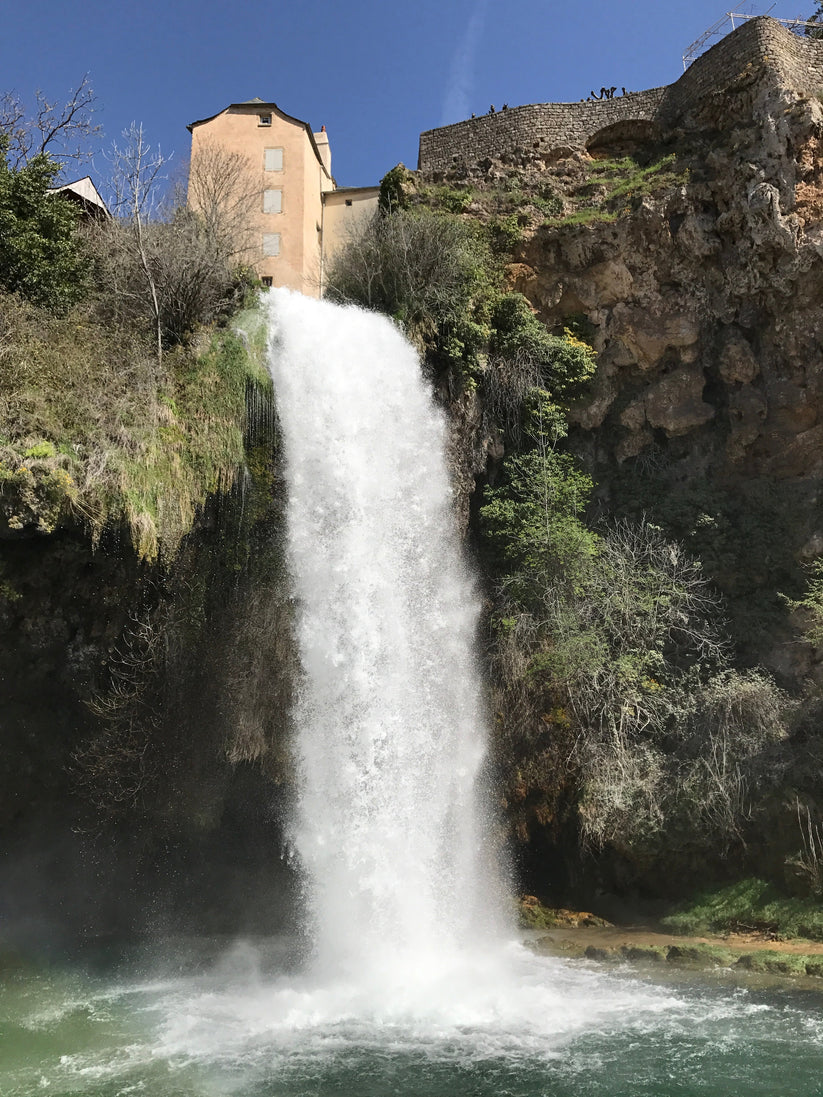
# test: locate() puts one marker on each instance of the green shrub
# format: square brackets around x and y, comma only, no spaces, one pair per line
[395,187]
[505,233]
[451,199]
[561,364]
[420,267]
[40,449]
[41,256]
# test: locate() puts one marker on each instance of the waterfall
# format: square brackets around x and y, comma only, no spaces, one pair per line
[390,829]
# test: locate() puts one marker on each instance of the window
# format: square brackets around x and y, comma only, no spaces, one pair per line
[271,243]
[272,159]
[267,282]
[348,201]
[273,201]
[264,120]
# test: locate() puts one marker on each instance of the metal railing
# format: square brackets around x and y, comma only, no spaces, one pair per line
[716,30]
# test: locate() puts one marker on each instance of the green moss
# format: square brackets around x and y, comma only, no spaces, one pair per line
[699,955]
[644,953]
[775,963]
[533,915]
[750,904]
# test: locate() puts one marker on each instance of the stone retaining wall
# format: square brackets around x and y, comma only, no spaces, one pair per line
[540,127]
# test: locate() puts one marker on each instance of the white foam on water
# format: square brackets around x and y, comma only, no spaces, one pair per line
[515,1006]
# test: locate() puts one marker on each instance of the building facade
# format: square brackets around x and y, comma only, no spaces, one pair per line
[273,174]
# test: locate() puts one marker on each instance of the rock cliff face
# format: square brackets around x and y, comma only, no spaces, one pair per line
[144,728]
[693,258]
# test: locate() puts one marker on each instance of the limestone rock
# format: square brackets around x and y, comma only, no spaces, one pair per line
[676,403]
[737,361]
[647,335]
[747,412]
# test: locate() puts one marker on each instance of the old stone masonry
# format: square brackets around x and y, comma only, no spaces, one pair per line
[760,47]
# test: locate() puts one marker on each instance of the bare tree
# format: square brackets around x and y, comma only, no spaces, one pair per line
[165,265]
[66,131]
[415,265]
[136,172]
[221,191]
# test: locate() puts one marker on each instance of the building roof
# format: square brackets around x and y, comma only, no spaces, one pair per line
[85,194]
[273,107]
[375,188]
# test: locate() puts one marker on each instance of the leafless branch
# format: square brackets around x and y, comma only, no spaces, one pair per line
[65,130]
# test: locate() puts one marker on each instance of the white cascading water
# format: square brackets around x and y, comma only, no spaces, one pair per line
[389,726]
[410,951]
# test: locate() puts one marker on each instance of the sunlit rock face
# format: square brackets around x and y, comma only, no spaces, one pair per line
[699,284]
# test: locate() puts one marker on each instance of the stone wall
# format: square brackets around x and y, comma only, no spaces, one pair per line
[541,127]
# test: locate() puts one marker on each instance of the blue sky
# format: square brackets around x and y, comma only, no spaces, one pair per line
[374,73]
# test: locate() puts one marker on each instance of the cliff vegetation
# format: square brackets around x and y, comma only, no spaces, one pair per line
[632,366]
[140,568]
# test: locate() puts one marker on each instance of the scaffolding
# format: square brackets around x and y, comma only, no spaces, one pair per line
[721,28]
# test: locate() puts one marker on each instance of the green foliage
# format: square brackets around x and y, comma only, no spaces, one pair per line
[7,591]
[614,187]
[40,253]
[547,200]
[95,433]
[749,904]
[811,604]
[532,526]
[505,233]
[451,199]
[440,275]
[394,189]
[621,630]
[41,449]
[562,364]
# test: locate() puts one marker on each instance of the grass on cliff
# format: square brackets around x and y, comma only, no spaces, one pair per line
[748,905]
[616,186]
[92,428]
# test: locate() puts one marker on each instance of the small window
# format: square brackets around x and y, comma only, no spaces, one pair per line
[264,119]
[273,201]
[273,159]
[271,243]
[267,282]
[348,201]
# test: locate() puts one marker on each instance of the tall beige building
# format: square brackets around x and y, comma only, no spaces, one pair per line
[281,178]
